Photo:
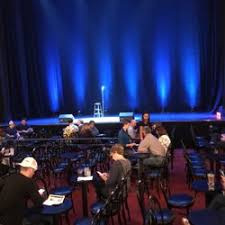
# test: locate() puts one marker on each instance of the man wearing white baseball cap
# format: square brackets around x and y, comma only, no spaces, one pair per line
[15,190]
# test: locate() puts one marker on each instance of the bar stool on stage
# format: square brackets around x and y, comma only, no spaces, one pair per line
[98,110]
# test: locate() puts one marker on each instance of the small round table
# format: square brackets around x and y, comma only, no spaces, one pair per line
[84,186]
[207,217]
[202,186]
[57,210]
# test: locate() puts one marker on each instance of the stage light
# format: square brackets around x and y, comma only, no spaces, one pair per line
[103,88]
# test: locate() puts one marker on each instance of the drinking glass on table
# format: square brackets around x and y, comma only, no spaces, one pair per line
[87,172]
[211,181]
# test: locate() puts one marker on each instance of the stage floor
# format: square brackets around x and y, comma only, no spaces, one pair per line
[155,117]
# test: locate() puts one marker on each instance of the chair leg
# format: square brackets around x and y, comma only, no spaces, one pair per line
[112,220]
[124,215]
[119,219]
[67,219]
[72,202]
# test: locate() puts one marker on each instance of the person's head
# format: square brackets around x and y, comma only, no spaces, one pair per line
[116,151]
[28,167]
[84,129]
[145,117]
[24,121]
[80,122]
[11,124]
[133,123]
[161,131]
[126,124]
[147,130]
[70,121]
[92,124]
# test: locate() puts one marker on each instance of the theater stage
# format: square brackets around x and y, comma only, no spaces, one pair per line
[155,117]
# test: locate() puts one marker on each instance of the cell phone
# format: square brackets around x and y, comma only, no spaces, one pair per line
[222,173]
[99,173]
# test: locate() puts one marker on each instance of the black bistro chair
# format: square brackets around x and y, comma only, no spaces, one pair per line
[152,213]
[117,202]
[179,201]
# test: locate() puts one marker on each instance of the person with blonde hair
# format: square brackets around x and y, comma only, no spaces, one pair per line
[71,130]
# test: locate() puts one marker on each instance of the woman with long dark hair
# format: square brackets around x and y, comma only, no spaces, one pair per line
[145,122]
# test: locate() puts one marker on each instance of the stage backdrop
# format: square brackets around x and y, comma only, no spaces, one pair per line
[154,55]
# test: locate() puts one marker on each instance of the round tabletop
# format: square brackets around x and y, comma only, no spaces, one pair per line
[202,186]
[207,217]
[57,209]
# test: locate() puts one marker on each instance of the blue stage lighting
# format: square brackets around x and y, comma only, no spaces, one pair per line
[162,76]
[79,74]
[54,82]
[190,73]
[131,70]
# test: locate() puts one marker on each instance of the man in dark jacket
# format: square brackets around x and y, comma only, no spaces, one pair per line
[15,190]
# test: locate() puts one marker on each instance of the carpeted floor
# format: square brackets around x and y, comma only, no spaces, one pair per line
[177,184]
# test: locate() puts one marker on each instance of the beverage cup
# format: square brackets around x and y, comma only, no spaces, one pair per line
[211,181]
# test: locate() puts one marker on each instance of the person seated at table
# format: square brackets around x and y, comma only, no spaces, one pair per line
[123,136]
[219,201]
[163,137]
[15,190]
[93,128]
[86,137]
[71,130]
[11,131]
[85,131]
[24,129]
[152,145]
[7,152]
[119,169]
[132,130]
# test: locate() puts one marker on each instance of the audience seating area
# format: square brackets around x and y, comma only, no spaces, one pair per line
[162,195]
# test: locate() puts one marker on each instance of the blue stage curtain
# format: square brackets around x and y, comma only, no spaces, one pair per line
[155,55]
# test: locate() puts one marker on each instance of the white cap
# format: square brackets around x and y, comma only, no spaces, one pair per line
[29,162]
[11,122]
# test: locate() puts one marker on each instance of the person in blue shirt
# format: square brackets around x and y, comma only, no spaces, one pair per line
[123,136]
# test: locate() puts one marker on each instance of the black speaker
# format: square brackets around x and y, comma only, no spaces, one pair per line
[65,118]
[126,115]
